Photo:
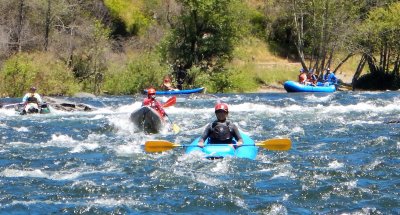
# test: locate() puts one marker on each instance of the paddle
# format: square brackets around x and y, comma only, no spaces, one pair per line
[171,101]
[164,145]
[7,106]
[175,127]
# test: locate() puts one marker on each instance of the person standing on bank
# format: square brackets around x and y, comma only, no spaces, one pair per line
[221,130]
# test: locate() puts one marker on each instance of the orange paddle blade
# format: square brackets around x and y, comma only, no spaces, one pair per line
[159,145]
[170,102]
[276,144]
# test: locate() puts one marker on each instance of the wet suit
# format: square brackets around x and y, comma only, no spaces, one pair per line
[221,132]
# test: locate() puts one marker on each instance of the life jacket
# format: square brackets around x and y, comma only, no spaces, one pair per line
[155,105]
[32,98]
[221,132]
[302,78]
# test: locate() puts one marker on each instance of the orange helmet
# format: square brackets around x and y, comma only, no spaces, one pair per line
[221,106]
[151,91]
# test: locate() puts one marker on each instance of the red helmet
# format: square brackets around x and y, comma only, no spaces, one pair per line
[221,106]
[151,91]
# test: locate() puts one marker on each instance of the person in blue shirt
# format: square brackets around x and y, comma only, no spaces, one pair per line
[330,77]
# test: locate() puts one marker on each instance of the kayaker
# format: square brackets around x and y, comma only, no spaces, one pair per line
[167,85]
[32,97]
[31,101]
[221,130]
[153,103]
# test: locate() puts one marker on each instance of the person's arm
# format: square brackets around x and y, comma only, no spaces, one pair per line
[145,102]
[334,78]
[39,98]
[204,136]
[237,135]
[160,108]
[25,98]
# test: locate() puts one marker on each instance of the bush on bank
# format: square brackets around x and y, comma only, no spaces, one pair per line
[42,70]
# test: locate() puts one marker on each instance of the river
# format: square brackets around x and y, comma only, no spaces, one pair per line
[344,158]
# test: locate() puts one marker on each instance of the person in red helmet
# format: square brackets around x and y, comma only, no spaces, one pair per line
[153,103]
[221,130]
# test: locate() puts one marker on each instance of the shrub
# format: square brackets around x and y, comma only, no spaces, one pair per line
[42,70]
[139,74]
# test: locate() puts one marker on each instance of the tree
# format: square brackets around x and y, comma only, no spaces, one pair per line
[90,64]
[204,35]
[319,29]
[381,48]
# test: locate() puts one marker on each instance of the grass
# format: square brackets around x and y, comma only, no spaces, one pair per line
[261,65]
[266,68]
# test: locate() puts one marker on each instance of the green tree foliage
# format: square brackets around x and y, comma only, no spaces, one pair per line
[144,72]
[90,65]
[23,70]
[318,29]
[379,39]
[205,33]
[130,13]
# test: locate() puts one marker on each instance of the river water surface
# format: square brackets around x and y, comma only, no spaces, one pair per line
[344,158]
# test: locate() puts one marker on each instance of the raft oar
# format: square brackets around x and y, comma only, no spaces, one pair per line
[164,145]
[171,101]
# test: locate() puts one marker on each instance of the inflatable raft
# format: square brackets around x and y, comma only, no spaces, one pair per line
[176,92]
[147,119]
[216,151]
[293,87]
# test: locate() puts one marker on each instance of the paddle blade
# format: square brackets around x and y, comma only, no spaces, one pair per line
[159,145]
[276,144]
[170,102]
[176,128]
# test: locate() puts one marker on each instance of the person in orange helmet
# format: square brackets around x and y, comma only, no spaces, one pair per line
[153,103]
[221,130]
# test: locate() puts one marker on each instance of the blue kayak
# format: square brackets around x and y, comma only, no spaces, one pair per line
[176,92]
[294,87]
[215,151]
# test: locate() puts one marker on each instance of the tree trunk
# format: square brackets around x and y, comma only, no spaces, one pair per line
[47,25]
[343,61]
[358,71]
[16,45]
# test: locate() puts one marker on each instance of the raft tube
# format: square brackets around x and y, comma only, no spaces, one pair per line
[294,87]
[176,92]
